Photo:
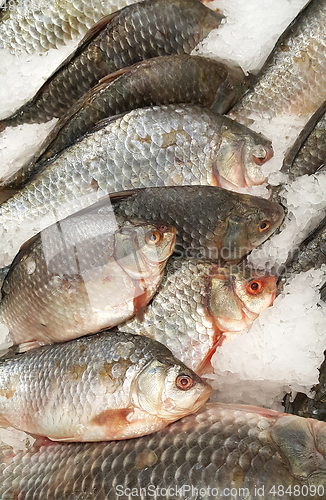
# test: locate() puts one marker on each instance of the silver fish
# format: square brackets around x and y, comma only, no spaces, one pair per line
[104,387]
[223,451]
[82,274]
[197,303]
[292,79]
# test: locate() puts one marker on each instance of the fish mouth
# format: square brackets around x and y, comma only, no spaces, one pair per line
[202,398]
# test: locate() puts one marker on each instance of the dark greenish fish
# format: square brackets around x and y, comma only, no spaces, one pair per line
[311,254]
[140,31]
[161,80]
[308,153]
[310,407]
[292,80]
[28,26]
[148,147]
[247,451]
[211,222]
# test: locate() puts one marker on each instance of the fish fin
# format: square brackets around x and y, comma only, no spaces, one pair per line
[140,301]
[27,244]
[40,441]
[321,169]
[205,366]
[106,80]
[90,35]
[114,421]
[322,292]
[123,195]
[98,27]
[104,123]
[10,352]
[28,346]
[111,424]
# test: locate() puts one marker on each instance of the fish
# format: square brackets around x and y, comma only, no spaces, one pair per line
[105,387]
[159,80]
[148,147]
[308,152]
[24,28]
[222,451]
[211,222]
[139,31]
[311,254]
[291,81]
[197,302]
[82,274]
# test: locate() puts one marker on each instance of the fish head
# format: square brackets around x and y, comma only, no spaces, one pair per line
[169,390]
[262,221]
[142,250]
[236,296]
[240,157]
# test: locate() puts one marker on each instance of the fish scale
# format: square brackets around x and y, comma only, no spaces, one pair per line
[26,29]
[140,31]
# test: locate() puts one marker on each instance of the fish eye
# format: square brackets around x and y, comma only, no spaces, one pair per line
[264,225]
[184,382]
[153,238]
[254,286]
[260,155]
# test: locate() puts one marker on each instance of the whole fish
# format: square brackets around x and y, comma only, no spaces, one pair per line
[163,145]
[308,153]
[104,387]
[311,254]
[292,79]
[160,80]
[223,451]
[82,274]
[26,28]
[196,302]
[140,31]
[211,222]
